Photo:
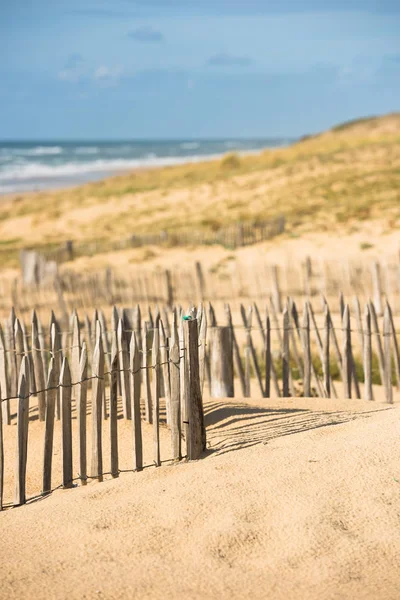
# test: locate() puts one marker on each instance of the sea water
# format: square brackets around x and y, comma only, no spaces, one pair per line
[28,166]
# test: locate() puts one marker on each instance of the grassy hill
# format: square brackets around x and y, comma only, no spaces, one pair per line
[321,183]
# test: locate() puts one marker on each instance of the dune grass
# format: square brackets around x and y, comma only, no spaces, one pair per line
[324,182]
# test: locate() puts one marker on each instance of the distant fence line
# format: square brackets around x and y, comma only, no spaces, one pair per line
[231,279]
[232,236]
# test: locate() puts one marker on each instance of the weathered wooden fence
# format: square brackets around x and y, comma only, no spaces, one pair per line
[232,236]
[229,280]
[123,364]
[139,356]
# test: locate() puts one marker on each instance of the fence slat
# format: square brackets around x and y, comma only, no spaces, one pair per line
[4,382]
[347,363]
[75,353]
[221,359]
[56,352]
[387,332]
[236,353]
[146,375]
[318,339]
[202,347]
[22,433]
[124,365]
[51,395]
[155,396]
[326,367]
[97,402]
[114,408]
[379,349]
[268,357]
[306,352]
[165,369]
[196,433]
[81,403]
[39,371]
[395,346]
[285,353]
[368,393]
[66,423]
[253,352]
[135,399]
[175,391]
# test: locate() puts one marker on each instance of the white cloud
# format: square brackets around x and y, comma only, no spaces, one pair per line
[104,73]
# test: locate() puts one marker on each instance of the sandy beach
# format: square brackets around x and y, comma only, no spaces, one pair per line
[295,498]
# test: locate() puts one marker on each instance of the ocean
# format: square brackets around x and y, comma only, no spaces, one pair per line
[29,166]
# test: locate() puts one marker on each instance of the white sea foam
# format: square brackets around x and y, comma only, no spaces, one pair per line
[37,151]
[190,145]
[38,171]
[86,150]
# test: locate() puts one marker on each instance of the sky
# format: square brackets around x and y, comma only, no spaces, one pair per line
[123,69]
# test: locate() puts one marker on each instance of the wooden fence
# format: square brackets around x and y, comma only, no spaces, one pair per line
[233,236]
[122,364]
[230,280]
[137,357]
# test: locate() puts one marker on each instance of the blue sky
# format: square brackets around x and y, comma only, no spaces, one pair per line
[92,69]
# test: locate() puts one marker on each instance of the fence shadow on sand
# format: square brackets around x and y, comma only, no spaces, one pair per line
[234,426]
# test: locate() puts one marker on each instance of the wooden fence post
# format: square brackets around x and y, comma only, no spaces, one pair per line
[306,352]
[155,396]
[75,353]
[200,281]
[183,372]
[388,357]
[56,353]
[395,346]
[221,357]
[97,403]
[19,345]
[236,353]
[10,339]
[285,353]
[377,287]
[196,432]
[357,311]
[326,368]
[66,424]
[146,376]
[135,400]
[347,362]
[368,394]
[22,433]
[114,407]
[175,391]
[379,349]
[202,347]
[165,369]
[268,357]
[81,405]
[4,383]
[51,395]
[39,371]
[124,367]
[276,293]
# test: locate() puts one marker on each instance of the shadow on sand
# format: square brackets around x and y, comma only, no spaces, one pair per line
[233,426]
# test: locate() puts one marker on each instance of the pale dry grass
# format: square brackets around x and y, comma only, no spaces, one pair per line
[323,183]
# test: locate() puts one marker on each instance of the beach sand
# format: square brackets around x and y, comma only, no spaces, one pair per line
[295,498]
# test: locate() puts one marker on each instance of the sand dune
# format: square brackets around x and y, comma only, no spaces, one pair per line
[294,499]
